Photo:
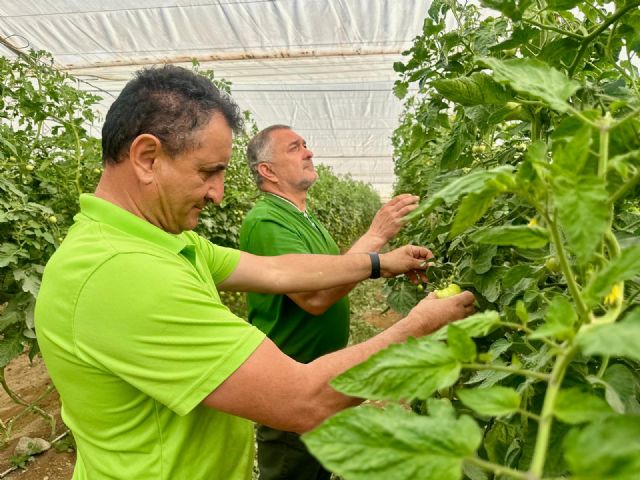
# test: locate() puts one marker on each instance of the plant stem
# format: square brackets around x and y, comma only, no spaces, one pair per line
[12,395]
[566,269]
[552,28]
[593,35]
[528,331]
[603,367]
[528,414]
[624,189]
[497,469]
[78,157]
[604,125]
[546,416]
[586,120]
[506,368]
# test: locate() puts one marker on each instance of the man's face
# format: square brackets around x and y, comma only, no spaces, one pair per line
[291,160]
[186,183]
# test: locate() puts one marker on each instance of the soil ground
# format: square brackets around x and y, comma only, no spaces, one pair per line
[30,381]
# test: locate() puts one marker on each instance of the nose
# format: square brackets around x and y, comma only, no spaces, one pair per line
[309,153]
[215,193]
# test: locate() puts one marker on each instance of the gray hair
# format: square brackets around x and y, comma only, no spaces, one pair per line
[259,150]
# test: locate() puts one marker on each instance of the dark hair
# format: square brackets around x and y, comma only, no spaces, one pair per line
[169,102]
[259,150]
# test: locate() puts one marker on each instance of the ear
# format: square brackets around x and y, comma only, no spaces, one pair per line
[143,154]
[266,172]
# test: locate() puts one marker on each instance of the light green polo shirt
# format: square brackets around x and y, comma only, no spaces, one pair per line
[134,336]
[274,226]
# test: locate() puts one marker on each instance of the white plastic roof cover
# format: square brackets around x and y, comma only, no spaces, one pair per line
[322,66]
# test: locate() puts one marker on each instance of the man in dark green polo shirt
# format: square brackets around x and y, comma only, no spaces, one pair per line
[158,379]
[304,325]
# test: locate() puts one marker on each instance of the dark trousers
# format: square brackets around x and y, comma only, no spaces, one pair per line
[283,456]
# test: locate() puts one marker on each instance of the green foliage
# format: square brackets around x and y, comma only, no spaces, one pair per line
[47,158]
[406,446]
[522,135]
[343,205]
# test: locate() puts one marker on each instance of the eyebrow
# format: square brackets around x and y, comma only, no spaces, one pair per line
[297,142]
[214,168]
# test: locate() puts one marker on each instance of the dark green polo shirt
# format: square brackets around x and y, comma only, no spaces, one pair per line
[274,227]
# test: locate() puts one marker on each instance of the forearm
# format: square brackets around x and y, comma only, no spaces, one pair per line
[325,400]
[369,242]
[319,301]
[296,272]
[306,273]
[273,389]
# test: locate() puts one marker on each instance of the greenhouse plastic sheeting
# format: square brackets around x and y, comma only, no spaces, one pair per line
[323,67]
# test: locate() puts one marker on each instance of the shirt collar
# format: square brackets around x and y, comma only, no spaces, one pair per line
[287,201]
[103,211]
[304,212]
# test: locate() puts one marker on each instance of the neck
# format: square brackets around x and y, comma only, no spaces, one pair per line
[115,187]
[299,199]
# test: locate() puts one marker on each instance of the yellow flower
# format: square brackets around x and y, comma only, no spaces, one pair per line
[614,295]
[533,222]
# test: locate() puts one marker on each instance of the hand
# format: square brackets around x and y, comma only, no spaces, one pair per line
[389,219]
[433,313]
[410,259]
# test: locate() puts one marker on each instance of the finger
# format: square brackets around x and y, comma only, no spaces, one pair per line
[465,298]
[423,253]
[403,211]
[412,277]
[402,197]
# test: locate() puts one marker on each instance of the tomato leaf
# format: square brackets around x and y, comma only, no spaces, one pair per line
[622,268]
[460,343]
[471,182]
[478,325]
[521,236]
[589,457]
[560,319]
[494,401]
[414,369]
[583,211]
[613,340]
[369,443]
[575,406]
[534,78]
[477,89]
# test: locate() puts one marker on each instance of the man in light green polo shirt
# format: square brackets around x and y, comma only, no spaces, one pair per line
[158,379]
[306,325]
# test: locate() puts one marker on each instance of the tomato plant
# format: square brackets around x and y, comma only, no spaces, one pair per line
[542,224]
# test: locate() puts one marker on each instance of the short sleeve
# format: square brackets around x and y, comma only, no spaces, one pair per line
[221,261]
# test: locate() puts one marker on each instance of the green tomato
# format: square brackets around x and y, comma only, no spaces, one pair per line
[479,148]
[420,287]
[451,290]
[30,168]
[552,264]
[53,219]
